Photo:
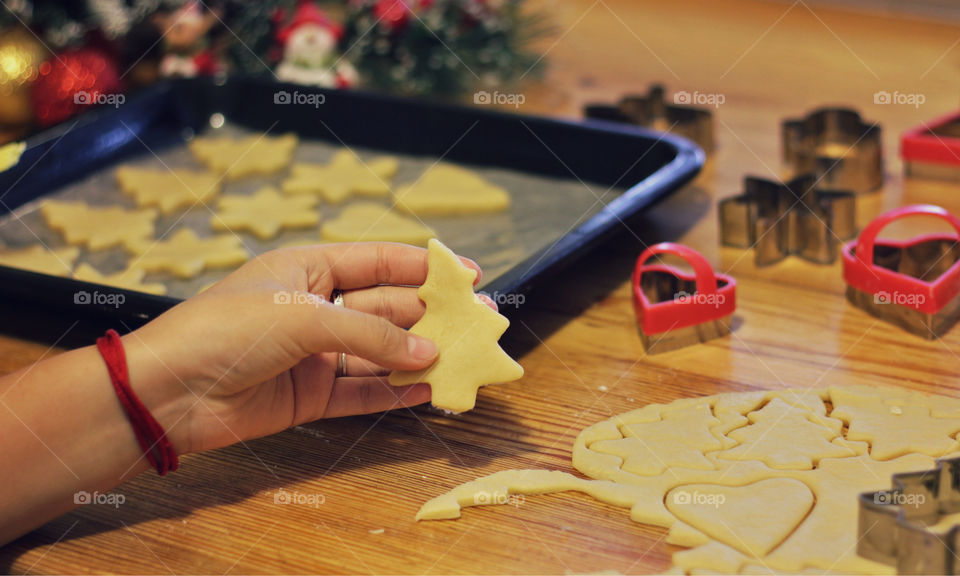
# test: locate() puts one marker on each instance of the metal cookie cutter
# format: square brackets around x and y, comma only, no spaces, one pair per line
[933,149]
[675,308]
[894,525]
[836,146]
[652,111]
[779,219]
[912,283]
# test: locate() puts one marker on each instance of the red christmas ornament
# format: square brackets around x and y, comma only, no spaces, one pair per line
[393,14]
[72,81]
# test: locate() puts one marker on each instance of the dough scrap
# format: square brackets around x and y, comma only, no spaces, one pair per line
[36,258]
[370,222]
[98,227]
[237,158]
[784,503]
[129,279]
[344,176]
[185,255]
[445,189]
[167,190]
[465,330]
[265,213]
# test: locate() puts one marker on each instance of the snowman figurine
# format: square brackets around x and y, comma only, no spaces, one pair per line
[310,56]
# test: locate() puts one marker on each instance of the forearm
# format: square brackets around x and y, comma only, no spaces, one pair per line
[63,430]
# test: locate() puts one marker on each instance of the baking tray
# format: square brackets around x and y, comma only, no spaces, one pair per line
[573,183]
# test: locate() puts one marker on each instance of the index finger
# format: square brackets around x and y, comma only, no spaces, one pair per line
[365,264]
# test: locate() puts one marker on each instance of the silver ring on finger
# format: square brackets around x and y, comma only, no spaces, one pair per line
[337,298]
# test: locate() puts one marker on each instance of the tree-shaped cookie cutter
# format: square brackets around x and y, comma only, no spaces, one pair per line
[780,219]
[894,525]
[675,308]
[913,283]
[835,145]
[932,150]
[651,110]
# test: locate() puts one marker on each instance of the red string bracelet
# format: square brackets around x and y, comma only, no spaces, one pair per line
[150,434]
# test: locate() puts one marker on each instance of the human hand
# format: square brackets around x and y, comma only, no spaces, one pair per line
[257,352]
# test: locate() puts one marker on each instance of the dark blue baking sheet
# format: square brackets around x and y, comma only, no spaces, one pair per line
[38,306]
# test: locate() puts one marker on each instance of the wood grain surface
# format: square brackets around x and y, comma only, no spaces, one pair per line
[355,483]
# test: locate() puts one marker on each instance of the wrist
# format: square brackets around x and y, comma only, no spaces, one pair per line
[167,398]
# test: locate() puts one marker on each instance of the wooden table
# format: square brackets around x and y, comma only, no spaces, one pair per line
[793,329]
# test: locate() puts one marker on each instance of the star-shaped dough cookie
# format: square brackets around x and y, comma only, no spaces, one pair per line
[369,222]
[344,176]
[98,227]
[446,189]
[238,158]
[167,190]
[129,279]
[464,329]
[185,255]
[265,213]
[36,258]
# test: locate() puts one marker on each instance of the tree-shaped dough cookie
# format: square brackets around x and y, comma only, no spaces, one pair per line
[98,227]
[465,330]
[168,190]
[343,177]
[445,189]
[129,279]
[36,258]
[370,222]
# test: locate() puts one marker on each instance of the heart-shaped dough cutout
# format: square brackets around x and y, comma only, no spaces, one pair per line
[371,222]
[446,189]
[754,518]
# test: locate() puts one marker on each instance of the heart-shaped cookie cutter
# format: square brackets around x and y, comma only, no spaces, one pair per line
[913,283]
[675,308]
[932,150]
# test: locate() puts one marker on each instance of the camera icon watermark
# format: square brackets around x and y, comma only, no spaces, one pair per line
[485,498]
[900,98]
[483,98]
[699,98]
[84,98]
[715,300]
[697,498]
[899,298]
[897,498]
[83,498]
[83,298]
[506,298]
[297,98]
[296,297]
[286,497]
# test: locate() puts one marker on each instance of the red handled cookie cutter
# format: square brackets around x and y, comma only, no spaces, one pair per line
[675,308]
[932,150]
[913,283]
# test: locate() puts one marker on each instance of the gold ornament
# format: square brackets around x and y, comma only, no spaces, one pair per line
[20,57]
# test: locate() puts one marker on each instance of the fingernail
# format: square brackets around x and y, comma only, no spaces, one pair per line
[421,348]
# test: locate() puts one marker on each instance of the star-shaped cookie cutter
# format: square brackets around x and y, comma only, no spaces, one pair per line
[894,525]
[779,219]
[651,110]
[835,145]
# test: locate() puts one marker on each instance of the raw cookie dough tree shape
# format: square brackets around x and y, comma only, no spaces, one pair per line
[445,190]
[466,332]
[370,222]
[265,213]
[344,176]
[750,481]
